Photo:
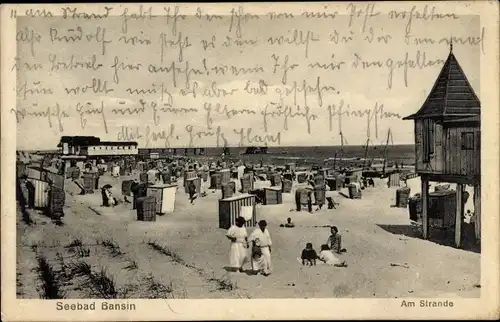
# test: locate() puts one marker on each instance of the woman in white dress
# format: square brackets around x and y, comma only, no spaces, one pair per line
[237,234]
[261,239]
[329,258]
[259,263]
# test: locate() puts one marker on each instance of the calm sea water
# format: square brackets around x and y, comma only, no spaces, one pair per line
[303,155]
[307,155]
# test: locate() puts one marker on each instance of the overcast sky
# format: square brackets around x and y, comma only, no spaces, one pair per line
[357,87]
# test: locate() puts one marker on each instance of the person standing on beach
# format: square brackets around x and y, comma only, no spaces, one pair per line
[259,264]
[192,191]
[264,242]
[237,234]
[303,189]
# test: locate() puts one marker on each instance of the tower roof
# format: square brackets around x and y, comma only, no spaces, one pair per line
[470,119]
[451,96]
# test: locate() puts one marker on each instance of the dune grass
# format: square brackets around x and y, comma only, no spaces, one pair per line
[112,246]
[49,287]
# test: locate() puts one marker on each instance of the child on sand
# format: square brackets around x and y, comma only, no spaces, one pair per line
[309,255]
[289,223]
[326,256]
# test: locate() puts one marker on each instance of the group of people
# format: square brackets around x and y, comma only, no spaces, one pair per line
[309,188]
[328,251]
[367,182]
[255,248]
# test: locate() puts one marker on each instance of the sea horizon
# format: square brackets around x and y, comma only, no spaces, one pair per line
[302,155]
[270,148]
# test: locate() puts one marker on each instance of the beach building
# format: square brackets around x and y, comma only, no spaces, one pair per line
[162,153]
[75,150]
[448,142]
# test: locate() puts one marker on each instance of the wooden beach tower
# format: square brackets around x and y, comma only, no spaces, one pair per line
[448,141]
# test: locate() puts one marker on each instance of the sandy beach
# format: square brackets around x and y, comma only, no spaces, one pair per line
[184,254]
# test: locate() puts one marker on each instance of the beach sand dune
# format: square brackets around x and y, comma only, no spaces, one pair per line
[184,254]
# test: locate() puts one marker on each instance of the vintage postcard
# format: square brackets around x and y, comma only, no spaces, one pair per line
[249,161]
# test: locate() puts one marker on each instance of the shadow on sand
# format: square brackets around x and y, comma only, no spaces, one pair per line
[234,270]
[344,195]
[444,237]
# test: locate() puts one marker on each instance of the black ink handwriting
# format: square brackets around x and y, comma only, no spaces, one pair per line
[337,38]
[279,15]
[78,34]
[306,89]
[73,13]
[18,65]
[166,107]
[195,135]
[176,71]
[238,18]
[420,62]
[371,36]
[89,109]
[261,88]
[206,44]
[29,36]
[56,111]
[214,91]
[209,17]
[97,86]
[239,42]
[368,12]
[141,15]
[283,66]
[279,109]
[246,138]
[35,88]
[72,63]
[119,66]
[320,15]
[133,40]
[162,135]
[173,17]
[223,69]
[35,13]
[298,38]
[191,90]
[180,43]
[162,89]
[222,110]
[372,115]
[462,40]
[128,110]
[333,65]
[129,134]
[415,14]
